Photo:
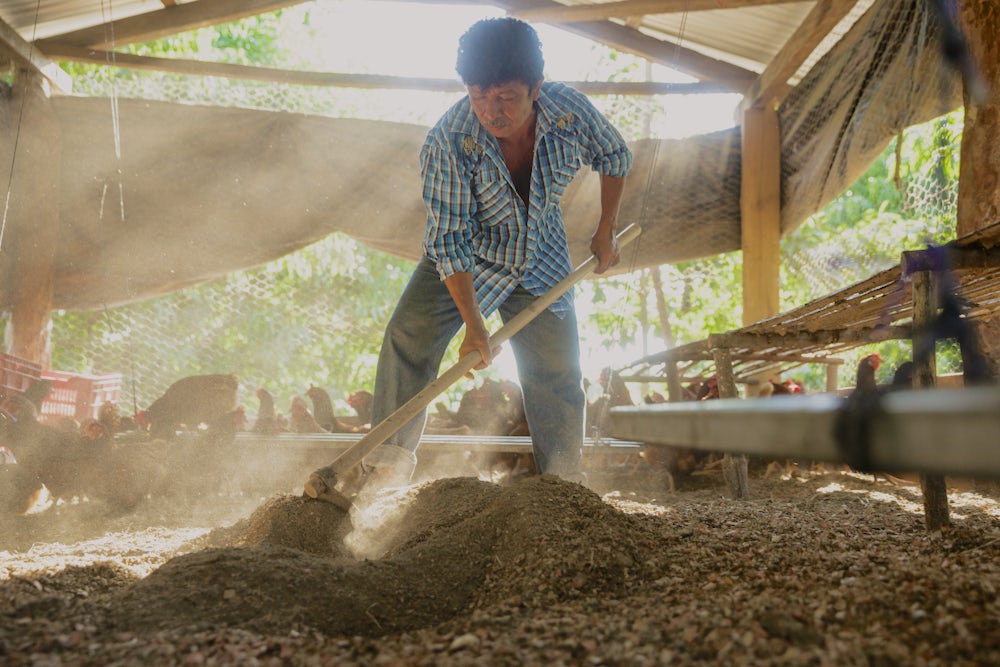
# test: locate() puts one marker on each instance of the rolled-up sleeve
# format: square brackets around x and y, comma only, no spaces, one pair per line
[609,154]
[450,209]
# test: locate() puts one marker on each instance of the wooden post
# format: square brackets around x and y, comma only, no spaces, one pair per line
[675,392]
[734,466]
[978,195]
[33,220]
[936,513]
[832,377]
[760,213]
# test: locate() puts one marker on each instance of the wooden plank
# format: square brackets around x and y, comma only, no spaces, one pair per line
[771,87]
[29,57]
[69,52]
[955,258]
[801,338]
[168,21]
[627,8]
[943,431]
[336,442]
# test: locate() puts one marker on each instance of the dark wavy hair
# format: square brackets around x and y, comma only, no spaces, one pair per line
[500,50]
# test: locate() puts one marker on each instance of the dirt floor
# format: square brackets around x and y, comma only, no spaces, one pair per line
[814,569]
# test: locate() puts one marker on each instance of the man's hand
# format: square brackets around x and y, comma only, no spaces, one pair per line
[477,339]
[604,245]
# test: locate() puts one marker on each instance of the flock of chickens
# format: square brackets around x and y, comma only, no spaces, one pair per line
[61,456]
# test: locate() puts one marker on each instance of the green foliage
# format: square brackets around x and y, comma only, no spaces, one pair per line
[859,233]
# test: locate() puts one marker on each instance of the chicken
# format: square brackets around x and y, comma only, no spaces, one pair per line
[38,392]
[852,426]
[865,379]
[615,394]
[110,418]
[323,410]
[266,422]
[903,377]
[301,420]
[191,402]
[362,401]
[710,389]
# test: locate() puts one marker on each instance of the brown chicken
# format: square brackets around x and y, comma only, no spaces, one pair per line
[301,420]
[267,422]
[323,410]
[362,401]
[193,402]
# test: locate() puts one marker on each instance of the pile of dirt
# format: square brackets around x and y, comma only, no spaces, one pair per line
[462,543]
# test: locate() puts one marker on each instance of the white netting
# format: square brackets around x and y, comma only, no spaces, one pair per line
[688,202]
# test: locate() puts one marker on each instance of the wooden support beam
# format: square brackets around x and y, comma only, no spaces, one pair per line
[167,21]
[955,258]
[906,434]
[69,52]
[925,309]
[33,221]
[825,337]
[734,466]
[760,213]
[626,8]
[771,87]
[978,194]
[28,57]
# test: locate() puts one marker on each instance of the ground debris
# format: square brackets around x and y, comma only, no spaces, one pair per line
[828,568]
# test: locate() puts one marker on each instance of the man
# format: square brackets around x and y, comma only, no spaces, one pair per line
[494,168]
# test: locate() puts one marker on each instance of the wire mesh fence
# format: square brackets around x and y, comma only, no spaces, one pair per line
[295,322]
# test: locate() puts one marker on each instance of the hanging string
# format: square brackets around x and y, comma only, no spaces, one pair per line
[17,132]
[107,19]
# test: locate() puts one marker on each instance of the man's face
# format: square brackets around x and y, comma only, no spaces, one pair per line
[504,110]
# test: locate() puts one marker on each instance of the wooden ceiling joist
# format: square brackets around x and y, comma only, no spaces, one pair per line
[341,80]
[27,56]
[771,87]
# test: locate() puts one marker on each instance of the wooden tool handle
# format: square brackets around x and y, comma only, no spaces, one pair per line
[387,427]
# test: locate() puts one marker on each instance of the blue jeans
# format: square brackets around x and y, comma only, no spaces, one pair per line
[547,352]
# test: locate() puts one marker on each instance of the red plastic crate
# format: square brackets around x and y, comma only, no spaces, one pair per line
[79,396]
[17,374]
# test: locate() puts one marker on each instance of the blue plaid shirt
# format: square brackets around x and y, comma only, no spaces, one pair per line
[477,223]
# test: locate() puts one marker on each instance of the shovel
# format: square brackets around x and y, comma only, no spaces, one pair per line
[322,482]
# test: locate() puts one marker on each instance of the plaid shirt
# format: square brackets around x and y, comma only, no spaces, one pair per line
[476,221]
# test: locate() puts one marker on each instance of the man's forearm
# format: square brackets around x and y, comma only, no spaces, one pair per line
[463,293]
[612,189]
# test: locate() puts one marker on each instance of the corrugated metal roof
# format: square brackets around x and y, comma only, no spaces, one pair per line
[38,19]
[749,37]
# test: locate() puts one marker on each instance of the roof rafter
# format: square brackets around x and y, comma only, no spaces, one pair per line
[26,55]
[626,8]
[771,87]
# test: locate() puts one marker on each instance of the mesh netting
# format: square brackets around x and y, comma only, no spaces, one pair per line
[685,192]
